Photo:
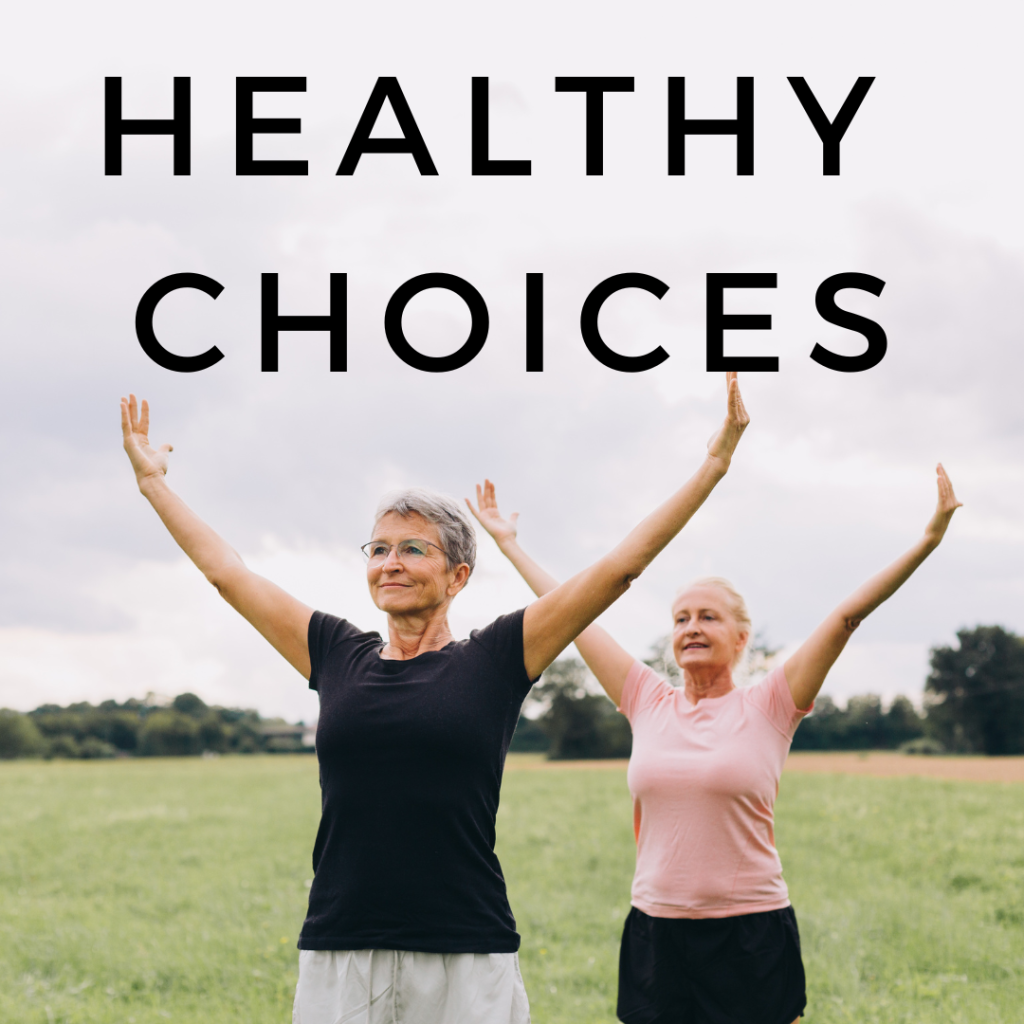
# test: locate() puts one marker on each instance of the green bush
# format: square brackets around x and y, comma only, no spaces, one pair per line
[63,746]
[19,735]
[922,745]
[91,748]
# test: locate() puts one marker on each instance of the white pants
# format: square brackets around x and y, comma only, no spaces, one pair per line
[386,986]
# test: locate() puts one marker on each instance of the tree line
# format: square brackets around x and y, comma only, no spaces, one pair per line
[140,728]
[973,704]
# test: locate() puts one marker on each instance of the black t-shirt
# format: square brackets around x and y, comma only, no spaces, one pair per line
[411,755]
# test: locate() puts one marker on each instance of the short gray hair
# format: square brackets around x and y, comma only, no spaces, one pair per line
[458,538]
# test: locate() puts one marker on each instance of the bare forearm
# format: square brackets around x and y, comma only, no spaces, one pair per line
[651,536]
[212,555]
[278,616]
[806,670]
[866,598]
[609,662]
[609,578]
[539,580]
[563,613]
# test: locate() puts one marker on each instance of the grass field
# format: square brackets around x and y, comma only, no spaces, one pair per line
[138,892]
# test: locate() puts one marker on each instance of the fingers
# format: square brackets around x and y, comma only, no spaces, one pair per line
[732,386]
[486,511]
[481,503]
[144,419]
[946,494]
[485,497]
[737,410]
[126,426]
[133,412]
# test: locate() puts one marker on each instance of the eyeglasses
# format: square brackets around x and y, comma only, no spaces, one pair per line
[376,551]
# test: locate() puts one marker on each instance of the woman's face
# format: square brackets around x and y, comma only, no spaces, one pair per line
[704,633]
[402,585]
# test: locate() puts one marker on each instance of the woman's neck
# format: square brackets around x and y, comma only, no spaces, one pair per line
[409,636]
[707,681]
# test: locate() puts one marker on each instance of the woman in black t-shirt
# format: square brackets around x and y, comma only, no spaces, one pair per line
[408,914]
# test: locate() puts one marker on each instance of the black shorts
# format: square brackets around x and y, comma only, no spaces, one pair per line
[724,970]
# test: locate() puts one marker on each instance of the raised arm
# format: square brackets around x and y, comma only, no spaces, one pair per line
[275,613]
[806,670]
[609,661]
[554,620]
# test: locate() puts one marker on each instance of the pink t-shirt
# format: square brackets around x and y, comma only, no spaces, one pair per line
[704,778]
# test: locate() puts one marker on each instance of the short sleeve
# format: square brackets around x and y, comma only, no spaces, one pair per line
[503,640]
[773,698]
[642,689]
[325,633]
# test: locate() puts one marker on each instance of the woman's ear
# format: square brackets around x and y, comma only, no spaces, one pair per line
[460,577]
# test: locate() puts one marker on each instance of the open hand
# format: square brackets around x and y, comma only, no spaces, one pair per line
[146,460]
[723,444]
[947,505]
[488,516]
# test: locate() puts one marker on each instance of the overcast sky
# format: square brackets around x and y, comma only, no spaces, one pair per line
[833,479]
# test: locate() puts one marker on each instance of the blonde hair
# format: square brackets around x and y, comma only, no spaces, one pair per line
[734,601]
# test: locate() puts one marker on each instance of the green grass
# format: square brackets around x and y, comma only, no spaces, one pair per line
[153,890]
[138,892]
[910,897]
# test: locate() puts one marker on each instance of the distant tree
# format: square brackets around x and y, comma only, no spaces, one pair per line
[120,729]
[169,733]
[760,654]
[579,724]
[662,661]
[151,727]
[213,735]
[529,737]
[241,730]
[861,725]
[191,705]
[902,725]
[975,692]
[822,729]
[112,724]
[53,721]
[19,736]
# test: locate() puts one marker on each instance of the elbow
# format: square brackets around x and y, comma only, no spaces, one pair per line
[623,579]
[221,578]
[625,582]
[216,580]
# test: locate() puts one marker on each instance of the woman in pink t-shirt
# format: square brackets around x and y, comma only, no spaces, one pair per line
[711,937]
